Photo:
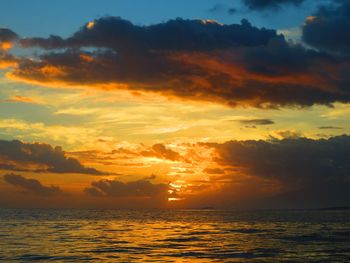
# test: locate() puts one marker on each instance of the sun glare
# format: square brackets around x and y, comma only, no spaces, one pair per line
[172,199]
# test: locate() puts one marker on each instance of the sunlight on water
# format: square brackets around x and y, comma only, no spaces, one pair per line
[174,236]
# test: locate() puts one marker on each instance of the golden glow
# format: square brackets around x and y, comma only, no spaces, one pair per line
[90,25]
[86,57]
[5,45]
[210,21]
[310,19]
[18,98]
[172,199]
[51,70]
[114,126]
[177,187]
[62,84]
[6,64]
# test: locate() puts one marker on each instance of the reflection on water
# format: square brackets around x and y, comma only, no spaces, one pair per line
[174,236]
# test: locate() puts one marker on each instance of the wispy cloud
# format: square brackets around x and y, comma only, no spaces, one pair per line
[257,122]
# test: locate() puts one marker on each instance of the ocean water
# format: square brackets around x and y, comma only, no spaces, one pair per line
[174,236]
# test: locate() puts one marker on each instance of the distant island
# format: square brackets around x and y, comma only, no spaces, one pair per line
[334,208]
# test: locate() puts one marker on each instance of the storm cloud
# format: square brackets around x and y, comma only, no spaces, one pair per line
[316,170]
[203,60]
[328,28]
[174,35]
[7,37]
[39,157]
[31,185]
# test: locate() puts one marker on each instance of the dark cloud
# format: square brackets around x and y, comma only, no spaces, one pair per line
[236,65]
[174,35]
[232,11]
[219,8]
[315,169]
[328,28]
[161,151]
[7,38]
[7,35]
[19,156]
[330,128]
[115,188]
[269,4]
[31,185]
[257,122]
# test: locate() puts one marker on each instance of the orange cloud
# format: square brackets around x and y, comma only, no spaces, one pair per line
[23,99]
[7,38]
[236,65]
[7,61]
[5,45]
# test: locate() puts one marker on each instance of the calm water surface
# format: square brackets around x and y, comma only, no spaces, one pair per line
[174,236]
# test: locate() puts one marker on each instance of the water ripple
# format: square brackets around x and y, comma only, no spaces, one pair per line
[174,236]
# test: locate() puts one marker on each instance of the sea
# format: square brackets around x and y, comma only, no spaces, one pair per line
[59,235]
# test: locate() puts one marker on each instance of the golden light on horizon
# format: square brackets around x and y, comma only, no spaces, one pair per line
[140,131]
[172,199]
[180,129]
[176,187]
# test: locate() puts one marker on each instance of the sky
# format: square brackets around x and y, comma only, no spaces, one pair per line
[235,104]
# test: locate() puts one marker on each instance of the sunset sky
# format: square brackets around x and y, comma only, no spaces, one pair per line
[204,103]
